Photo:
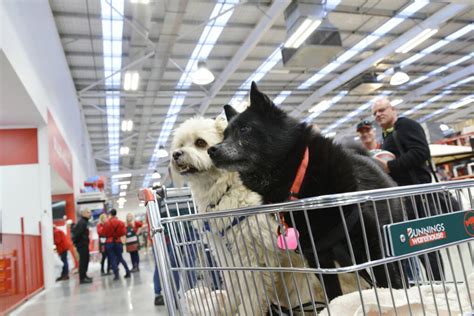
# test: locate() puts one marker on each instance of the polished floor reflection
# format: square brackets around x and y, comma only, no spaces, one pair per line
[104,296]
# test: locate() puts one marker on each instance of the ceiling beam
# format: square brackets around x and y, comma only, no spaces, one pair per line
[433,21]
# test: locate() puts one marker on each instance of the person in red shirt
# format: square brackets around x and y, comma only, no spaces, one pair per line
[132,244]
[114,229]
[63,244]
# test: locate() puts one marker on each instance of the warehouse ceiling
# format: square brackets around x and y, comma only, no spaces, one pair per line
[241,41]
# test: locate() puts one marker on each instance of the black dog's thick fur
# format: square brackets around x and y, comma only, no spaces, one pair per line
[266,146]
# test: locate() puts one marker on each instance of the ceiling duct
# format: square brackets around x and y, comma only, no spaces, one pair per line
[320,46]
[363,84]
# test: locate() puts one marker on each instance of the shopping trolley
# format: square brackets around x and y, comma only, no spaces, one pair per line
[431,249]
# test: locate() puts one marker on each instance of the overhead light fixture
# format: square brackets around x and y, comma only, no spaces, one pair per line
[120,206]
[162,153]
[123,175]
[399,77]
[202,75]
[123,193]
[331,135]
[444,127]
[130,82]
[124,150]
[141,204]
[122,200]
[303,31]
[123,187]
[156,175]
[156,184]
[396,102]
[417,40]
[127,125]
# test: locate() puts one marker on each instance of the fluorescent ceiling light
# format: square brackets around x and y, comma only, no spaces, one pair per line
[324,104]
[122,200]
[127,125]
[122,182]
[330,135]
[156,184]
[123,175]
[399,78]
[282,97]
[303,31]
[130,81]
[123,187]
[202,75]
[396,102]
[417,40]
[461,103]
[141,204]
[123,193]
[120,206]
[156,175]
[124,150]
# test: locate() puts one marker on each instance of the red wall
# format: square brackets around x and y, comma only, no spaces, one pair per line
[21,269]
[70,209]
[18,146]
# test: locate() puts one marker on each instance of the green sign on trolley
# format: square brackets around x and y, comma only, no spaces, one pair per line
[426,233]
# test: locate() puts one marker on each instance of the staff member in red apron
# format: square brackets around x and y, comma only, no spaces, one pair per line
[132,244]
[114,230]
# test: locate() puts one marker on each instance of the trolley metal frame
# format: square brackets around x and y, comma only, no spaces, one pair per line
[160,219]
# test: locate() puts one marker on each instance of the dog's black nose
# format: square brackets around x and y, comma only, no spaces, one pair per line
[212,150]
[177,154]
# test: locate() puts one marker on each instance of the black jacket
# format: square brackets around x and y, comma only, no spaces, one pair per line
[80,233]
[410,167]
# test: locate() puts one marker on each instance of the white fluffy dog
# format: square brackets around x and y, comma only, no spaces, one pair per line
[235,241]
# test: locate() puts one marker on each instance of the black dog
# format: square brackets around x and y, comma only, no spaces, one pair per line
[266,146]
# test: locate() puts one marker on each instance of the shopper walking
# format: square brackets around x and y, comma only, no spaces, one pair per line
[406,139]
[114,229]
[132,243]
[102,240]
[62,246]
[81,241]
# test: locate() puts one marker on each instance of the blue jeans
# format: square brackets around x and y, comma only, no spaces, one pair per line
[65,271]
[156,275]
[135,258]
[114,251]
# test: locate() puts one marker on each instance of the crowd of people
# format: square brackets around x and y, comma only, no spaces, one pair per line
[113,234]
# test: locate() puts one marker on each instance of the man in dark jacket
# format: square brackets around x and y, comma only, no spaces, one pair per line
[81,241]
[409,167]
[406,139]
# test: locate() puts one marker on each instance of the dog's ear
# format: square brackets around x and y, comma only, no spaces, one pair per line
[221,124]
[259,100]
[230,112]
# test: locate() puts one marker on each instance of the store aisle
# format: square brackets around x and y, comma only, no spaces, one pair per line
[104,296]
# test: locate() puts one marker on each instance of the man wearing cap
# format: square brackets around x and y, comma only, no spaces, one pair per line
[366,132]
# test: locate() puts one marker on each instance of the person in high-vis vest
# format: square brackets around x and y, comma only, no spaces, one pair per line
[114,229]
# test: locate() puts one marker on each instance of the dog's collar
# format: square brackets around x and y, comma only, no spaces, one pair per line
[295,188]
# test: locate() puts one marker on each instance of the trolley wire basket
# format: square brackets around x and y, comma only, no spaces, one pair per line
[397,251]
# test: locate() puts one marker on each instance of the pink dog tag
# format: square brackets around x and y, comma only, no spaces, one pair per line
[291,236]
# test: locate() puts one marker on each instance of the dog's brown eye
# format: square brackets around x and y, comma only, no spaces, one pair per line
[201,143]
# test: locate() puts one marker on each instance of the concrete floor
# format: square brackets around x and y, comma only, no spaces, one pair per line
[104,296]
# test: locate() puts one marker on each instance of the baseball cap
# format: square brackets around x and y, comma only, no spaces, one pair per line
[364,124]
